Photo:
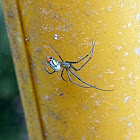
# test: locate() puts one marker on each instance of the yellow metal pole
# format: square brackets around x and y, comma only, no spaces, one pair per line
[59,110]
[21,62]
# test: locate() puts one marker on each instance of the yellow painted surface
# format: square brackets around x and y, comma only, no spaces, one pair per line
[60,110]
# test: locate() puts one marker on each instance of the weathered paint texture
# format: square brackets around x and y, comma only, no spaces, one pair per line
[60,110]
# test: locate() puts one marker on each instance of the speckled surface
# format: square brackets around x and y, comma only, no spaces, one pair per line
[66,111]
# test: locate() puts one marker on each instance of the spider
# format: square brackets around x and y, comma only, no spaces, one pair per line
[68,66]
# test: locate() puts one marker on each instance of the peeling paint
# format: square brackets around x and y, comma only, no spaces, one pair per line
[137,51]
[123,68]
[127,98]
[109,71]
[130,74]
[124,27]
[138,16]
[119,48]
[126,53]
[115,107]
[129,124]
[46,97]
[127,137]
[55,36]
[129,24]
[19,40]
[122,5]
[109,9]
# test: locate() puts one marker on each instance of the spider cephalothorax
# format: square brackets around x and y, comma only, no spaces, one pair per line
[68,66]
[54,64]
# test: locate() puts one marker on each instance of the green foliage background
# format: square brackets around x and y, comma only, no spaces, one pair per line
[12,123]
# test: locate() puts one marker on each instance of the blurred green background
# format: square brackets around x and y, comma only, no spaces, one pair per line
[12,123]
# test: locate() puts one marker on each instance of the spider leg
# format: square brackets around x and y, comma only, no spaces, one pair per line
[87,83]
[93,44]
[47,70]
[74,82]
[77,69]
[43,62]
[62,75]
[56,52]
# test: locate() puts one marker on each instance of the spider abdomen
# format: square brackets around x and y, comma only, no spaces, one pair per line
[55,65]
